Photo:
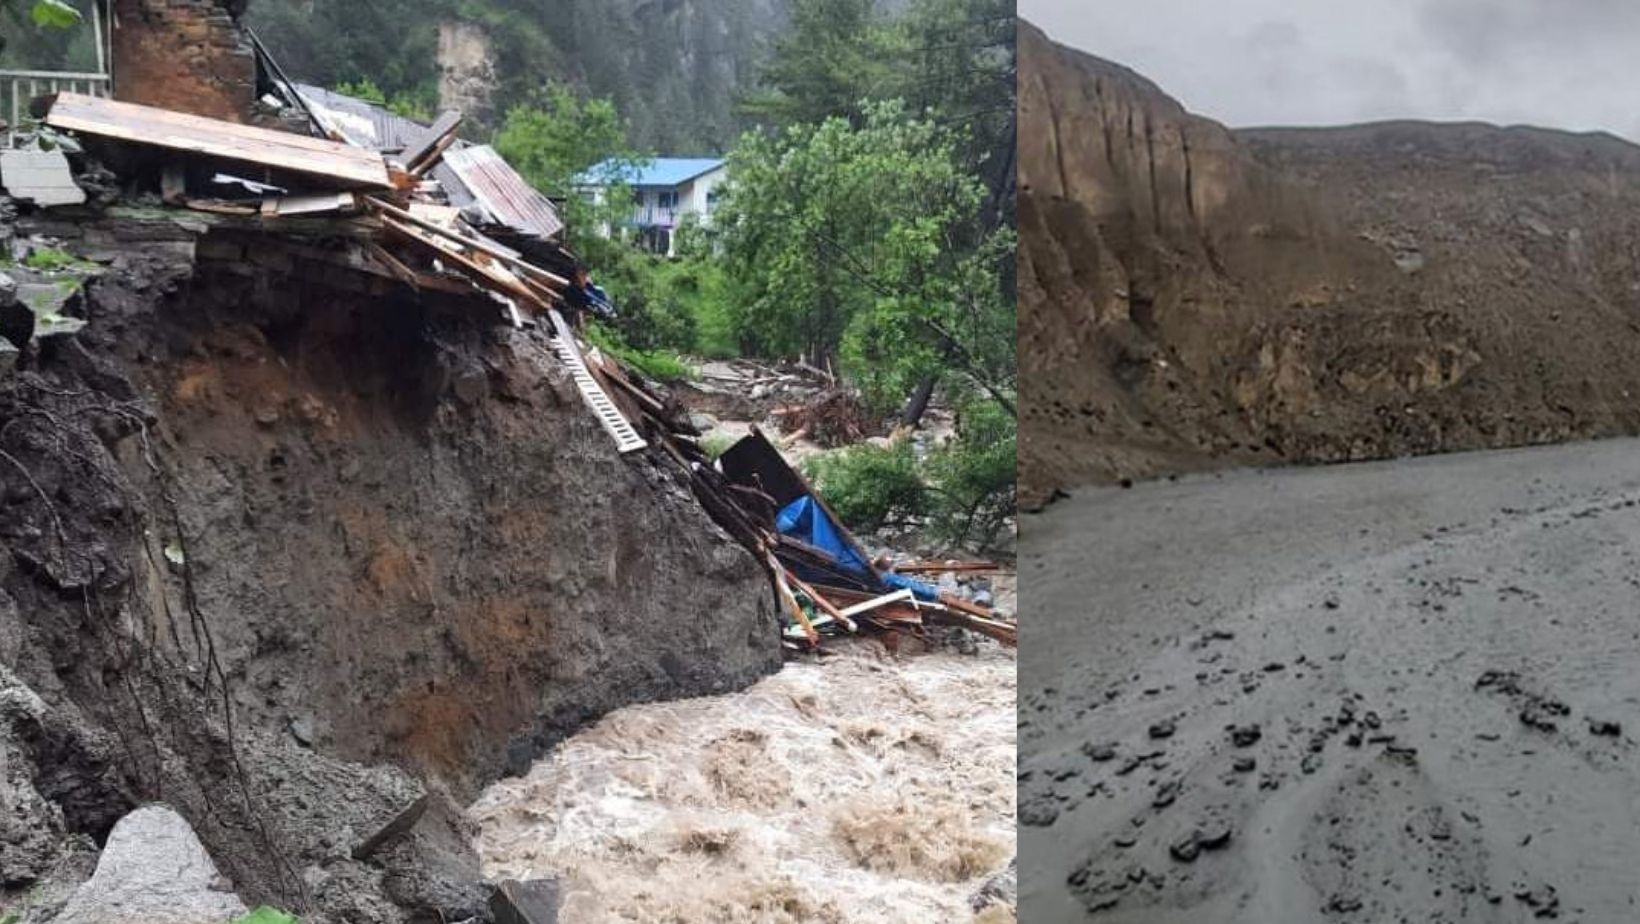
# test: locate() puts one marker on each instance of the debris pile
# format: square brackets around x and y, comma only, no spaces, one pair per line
[835,417]
[824,578]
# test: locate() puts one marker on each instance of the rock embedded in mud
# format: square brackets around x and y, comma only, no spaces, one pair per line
[153,870]
[1039,811]
[1214,833]
[1605,728]
[1099,753]
[1186,849]
[1543,900]
[1166,794]
[1162,729]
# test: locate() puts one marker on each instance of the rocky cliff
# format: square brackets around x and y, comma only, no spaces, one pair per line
[1194,296]
[298,558]
[673,67]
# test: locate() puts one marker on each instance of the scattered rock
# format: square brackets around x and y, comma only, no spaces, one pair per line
[1605,728]
[1243,736]
[1162,729]
[1039,811]
[1543,901]
[1001,890]
[1099,753]
[1186,848]
[1165,794]
[1212,834]
[301,728]
[1343,904]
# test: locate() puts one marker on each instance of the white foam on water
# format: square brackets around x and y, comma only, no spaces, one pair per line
[867,788]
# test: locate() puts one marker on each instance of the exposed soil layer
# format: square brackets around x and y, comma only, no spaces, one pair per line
[284,554]
[864,788]
[1196,297]
[1375,692]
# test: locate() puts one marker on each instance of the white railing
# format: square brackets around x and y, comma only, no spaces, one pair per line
[18,87]
[649,216]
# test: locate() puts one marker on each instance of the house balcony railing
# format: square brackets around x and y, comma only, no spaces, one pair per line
[654,216]
[18,87]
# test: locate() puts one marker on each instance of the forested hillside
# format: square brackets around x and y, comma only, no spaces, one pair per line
[672,67]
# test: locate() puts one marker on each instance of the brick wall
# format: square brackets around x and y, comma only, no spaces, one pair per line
[186,55]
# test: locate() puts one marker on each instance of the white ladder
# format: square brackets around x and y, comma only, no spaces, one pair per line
[626,438]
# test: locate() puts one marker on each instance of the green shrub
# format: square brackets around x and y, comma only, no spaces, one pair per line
[50,258]
[716,444]
[267,915]
[679,304]
[868,486]
[974,476]
[660,365]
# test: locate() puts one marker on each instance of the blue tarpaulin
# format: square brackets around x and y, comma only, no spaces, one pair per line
[807,522]
[922,591]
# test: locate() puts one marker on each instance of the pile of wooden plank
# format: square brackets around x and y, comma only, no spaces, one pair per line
[415,236]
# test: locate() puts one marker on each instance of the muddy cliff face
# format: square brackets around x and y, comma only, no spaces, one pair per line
[286,555]
[1194,296]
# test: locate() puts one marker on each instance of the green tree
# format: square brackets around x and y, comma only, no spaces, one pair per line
[827,63]
[858,243]
[955,61]
[42,49]
[411,105]
[558,136]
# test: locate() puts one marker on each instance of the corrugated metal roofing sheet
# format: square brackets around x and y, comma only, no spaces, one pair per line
[380,129]
[503,193]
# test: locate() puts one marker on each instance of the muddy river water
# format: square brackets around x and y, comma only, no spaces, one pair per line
[868,787]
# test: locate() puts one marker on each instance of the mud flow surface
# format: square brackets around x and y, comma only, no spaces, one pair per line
[1400,691]
[866,788]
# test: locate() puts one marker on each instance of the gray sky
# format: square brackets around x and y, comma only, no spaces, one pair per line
[1571,64]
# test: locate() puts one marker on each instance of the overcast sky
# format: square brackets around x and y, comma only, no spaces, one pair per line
[1572,64]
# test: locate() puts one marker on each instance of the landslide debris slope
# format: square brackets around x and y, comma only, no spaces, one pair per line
[298,560]
[1193,296]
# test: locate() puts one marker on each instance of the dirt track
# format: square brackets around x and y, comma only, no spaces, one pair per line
[1429,649]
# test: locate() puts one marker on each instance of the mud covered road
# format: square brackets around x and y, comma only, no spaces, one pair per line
[1401,691]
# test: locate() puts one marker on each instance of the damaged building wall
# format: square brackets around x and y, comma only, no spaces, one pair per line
[393,540]
[187,55]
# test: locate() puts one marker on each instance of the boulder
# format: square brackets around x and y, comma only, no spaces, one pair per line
[153,870]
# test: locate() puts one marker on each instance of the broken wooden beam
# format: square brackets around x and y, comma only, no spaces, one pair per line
[937,567]
[397,826]
[438,136]
[551,280]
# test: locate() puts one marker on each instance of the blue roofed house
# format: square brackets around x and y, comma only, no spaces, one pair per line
[666,190]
